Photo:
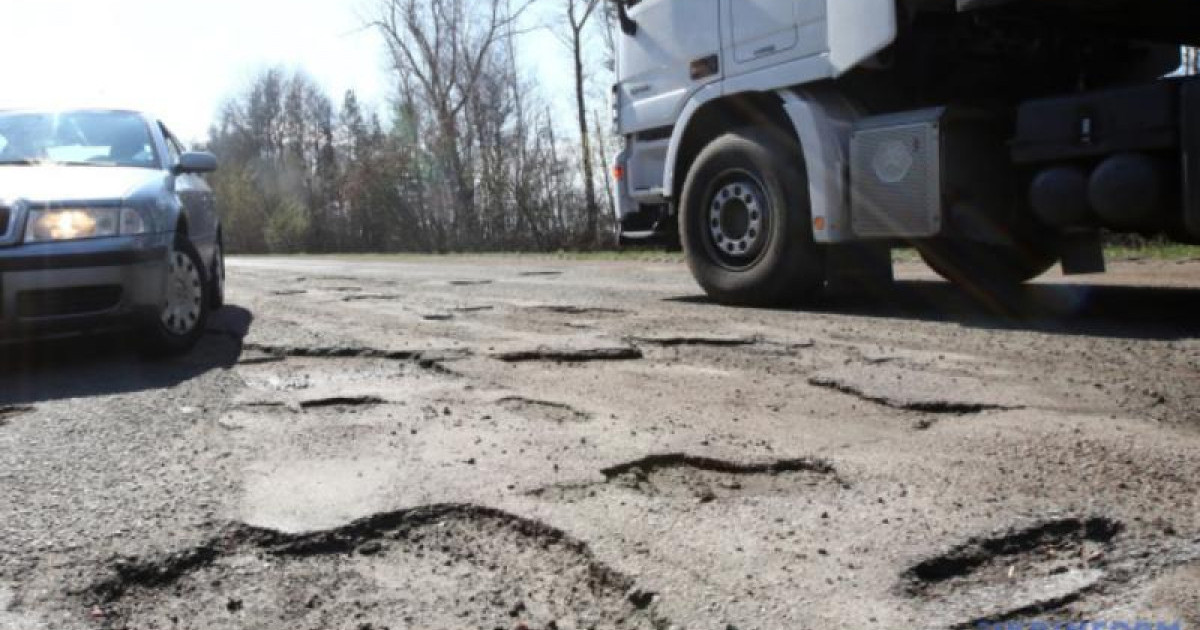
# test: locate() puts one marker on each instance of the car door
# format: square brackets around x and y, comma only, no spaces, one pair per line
[199,204]
[655,65]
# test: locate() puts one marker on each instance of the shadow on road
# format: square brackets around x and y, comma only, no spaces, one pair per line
[101,365]
[1068,309]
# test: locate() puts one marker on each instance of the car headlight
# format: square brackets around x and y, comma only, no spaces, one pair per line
[68,224]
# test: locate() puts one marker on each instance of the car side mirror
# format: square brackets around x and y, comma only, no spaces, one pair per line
[196,163]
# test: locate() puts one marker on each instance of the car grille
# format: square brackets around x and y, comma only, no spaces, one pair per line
[65,302]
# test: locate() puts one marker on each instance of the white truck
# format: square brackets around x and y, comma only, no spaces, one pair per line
[790,144]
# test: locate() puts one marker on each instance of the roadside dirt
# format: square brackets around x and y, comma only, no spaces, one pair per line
[507,443]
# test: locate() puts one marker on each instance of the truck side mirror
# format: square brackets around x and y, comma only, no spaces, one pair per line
[628,25]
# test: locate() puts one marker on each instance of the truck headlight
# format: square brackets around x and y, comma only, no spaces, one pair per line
[69,224]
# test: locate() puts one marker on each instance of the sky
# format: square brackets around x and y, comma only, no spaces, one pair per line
[180,59]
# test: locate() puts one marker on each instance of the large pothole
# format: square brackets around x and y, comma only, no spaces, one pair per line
[690,340]
[702,479]
[8,412]
[1029,571]
[314,377]
[923,391]
[542,410]
[571,309]
[551,354]
[452,567]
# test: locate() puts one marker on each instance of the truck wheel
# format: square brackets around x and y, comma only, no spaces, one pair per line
[984,268]
[745,221]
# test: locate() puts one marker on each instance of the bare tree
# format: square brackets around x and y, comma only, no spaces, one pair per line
[578,14]
[469,157]
[602,149]
[443,48]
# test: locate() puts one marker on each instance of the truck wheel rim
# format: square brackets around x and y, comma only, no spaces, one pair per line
[184,294]
[738,222]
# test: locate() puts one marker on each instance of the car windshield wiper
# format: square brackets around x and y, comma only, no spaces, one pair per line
[22,162]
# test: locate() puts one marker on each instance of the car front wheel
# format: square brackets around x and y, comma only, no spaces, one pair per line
[184,313]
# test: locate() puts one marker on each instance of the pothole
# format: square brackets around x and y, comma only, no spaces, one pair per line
[571,355]
[7,413]
[923,391]
[371,297]
[342,402]
[259,358]
[543,410]
[703,479]
[569,309]
[673,341]
[427,359]
[1023,572]
[452,566]
[328,385]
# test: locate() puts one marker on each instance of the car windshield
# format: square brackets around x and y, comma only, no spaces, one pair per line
[76,139]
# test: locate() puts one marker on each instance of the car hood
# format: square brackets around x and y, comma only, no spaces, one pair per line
[41,184]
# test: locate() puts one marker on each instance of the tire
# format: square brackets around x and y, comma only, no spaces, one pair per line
[216,274]
[988,269]
[184,314]
[745,222]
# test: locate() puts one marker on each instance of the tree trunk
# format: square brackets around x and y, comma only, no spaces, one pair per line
[604,157]
[592,230]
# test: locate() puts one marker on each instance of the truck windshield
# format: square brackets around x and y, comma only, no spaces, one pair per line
[85,138]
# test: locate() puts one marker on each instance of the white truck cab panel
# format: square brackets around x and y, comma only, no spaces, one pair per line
[655,64]
[858,29]
[762,46]
[764,33]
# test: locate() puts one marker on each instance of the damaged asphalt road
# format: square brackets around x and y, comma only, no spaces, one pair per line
[505,443]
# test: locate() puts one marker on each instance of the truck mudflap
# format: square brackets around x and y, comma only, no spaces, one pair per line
[1191,157]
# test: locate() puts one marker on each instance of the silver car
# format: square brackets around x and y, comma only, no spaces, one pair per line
[105,218]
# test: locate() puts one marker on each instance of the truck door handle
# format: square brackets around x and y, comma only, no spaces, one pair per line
[638,90]
[765,50]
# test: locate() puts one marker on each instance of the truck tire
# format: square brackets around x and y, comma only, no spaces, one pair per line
[745,221]
[988,269]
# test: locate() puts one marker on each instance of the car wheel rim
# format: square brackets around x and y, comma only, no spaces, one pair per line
[737,221]
[184,295]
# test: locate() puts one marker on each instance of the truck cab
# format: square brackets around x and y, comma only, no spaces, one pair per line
[784,143]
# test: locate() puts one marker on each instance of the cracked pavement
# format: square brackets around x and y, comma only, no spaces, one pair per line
[525,442]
